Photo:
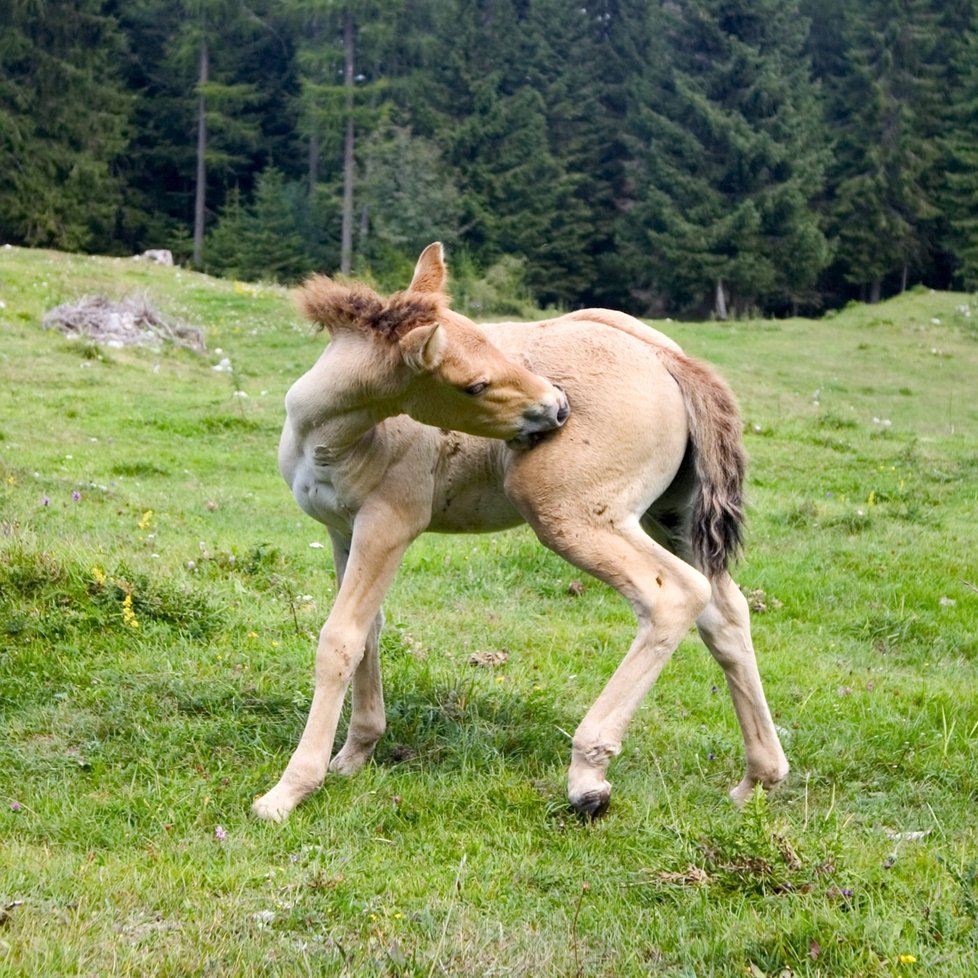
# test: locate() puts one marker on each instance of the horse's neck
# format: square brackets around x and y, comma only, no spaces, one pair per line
[319,415]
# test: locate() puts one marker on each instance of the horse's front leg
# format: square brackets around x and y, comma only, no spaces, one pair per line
[367,717]
[375,552]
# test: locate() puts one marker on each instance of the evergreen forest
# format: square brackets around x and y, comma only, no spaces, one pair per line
[696,157]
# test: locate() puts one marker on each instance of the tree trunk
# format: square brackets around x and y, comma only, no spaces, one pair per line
[720,304]
[904,279]
[312,163]
[312,173]
[200,198]
[875,289]
[346,242]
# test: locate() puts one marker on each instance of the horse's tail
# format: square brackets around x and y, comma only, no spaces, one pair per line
[716,439]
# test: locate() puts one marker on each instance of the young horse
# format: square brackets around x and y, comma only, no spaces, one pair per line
[638,482]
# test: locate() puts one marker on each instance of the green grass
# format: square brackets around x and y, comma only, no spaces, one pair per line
[159,600]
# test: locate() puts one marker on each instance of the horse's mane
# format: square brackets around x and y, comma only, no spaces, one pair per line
[334,305]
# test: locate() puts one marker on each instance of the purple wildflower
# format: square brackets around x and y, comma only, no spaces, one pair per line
[45,501]
[15,806]
[76,496]
[220,834]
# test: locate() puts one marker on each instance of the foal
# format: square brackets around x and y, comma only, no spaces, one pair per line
[626,461]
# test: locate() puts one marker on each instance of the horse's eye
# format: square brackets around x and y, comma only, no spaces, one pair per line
[474,390]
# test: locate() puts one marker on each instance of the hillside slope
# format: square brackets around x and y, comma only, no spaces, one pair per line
[160,595]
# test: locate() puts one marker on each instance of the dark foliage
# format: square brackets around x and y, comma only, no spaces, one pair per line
[711,156]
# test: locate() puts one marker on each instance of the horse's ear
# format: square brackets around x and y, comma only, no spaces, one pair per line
[430,274]
[423,347]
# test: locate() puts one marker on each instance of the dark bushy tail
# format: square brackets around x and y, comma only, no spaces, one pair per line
[716,435]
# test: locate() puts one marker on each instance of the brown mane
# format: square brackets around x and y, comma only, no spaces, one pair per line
[333,305]
[406,310]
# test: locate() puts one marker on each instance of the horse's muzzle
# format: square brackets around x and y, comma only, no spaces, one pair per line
[542,419]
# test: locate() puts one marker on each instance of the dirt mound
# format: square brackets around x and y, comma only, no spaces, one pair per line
[132,321]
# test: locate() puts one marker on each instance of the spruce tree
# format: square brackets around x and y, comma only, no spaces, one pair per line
[342,54]
[622,41]
[498,95]
[64,117]
[727,144]
[408,199]
[959,199]
[886,112]
[260,241]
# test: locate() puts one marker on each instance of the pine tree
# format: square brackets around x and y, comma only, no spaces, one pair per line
[886,110]
[727,133]
[959,199]
[200,133]
[261,241]
[63,124]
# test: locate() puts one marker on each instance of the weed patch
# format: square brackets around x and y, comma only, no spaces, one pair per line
[47,599]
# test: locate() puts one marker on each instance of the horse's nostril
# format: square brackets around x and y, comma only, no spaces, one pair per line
[563,413]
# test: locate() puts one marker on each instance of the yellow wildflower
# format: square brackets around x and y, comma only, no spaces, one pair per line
[128,615]
[146,520]
[98,575]
[907,959]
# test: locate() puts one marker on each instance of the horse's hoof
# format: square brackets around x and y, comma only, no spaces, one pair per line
[270,811]
[740,793]
[592,804]
[348,764]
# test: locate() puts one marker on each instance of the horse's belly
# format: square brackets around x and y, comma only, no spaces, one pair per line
[467,489]
[473,509]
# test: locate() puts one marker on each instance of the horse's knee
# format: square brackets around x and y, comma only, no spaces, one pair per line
[338,654]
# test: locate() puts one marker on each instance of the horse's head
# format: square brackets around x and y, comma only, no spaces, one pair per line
[416,356]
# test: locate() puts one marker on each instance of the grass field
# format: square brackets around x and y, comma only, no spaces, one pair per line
[159,597]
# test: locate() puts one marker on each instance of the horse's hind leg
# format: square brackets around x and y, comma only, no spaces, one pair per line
[667,595]
[724,626]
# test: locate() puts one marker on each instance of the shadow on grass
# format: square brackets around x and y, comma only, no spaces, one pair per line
[451,727]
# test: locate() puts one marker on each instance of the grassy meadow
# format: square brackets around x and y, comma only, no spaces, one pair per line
[160,594]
